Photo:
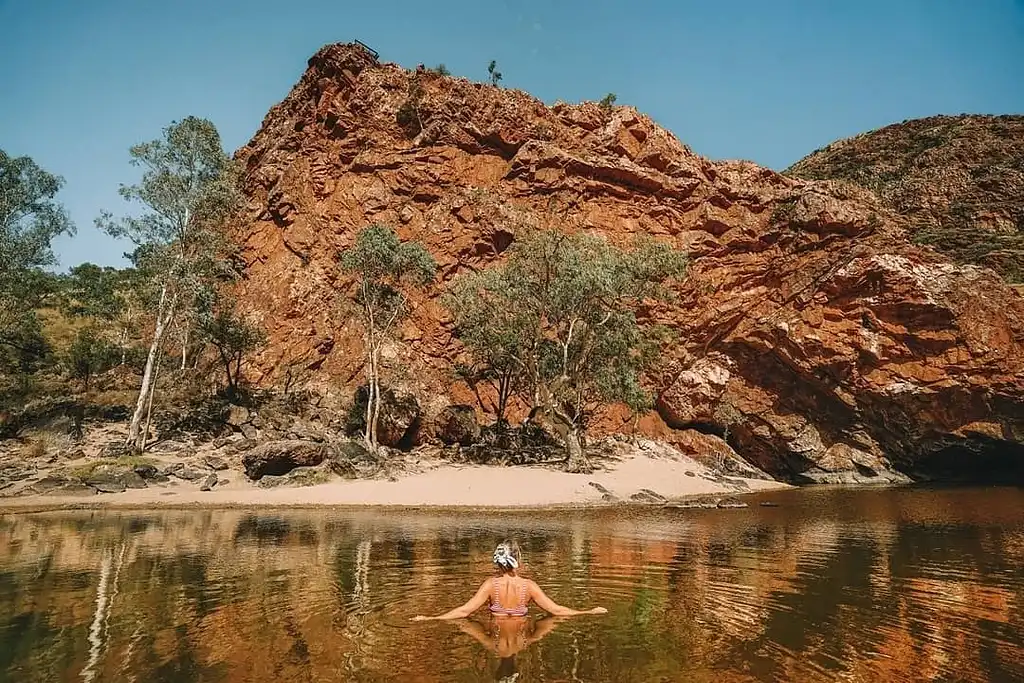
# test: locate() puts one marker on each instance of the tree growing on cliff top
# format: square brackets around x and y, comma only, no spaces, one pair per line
[186,192]
[30,219]
[561,312]
[383,267]
[608,101]
[493,73]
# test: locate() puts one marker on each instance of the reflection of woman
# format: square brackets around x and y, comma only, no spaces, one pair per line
[508,593]
[509,636]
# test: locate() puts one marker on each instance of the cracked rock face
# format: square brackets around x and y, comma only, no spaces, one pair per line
[811,333]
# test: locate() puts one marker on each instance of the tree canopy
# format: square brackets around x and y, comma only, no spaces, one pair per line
[560,314]
[30,219]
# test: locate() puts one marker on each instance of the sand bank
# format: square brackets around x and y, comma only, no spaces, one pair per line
[446,484]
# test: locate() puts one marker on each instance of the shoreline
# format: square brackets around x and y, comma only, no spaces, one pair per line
[640,480]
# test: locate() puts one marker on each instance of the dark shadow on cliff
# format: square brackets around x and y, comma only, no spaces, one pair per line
[980,461]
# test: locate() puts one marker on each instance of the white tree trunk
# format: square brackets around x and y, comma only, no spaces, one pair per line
[368,434]
[184,350]
[124,345]
[575,461]
[165,311]
[149,407]
[376,398]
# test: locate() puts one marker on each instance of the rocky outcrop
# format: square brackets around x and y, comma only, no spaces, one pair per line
[398,421]
[456,424]
[813,335]
[281,457]
[957,180]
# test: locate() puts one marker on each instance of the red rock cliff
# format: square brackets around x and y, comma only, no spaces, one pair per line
[810,329]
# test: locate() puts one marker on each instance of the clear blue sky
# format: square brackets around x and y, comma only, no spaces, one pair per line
[767,80]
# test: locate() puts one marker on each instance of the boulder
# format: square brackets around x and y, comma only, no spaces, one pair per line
[173,468]
[647,496]
[55,485]
[351,459]
[132,480]
[398,421]
[222,441]
[300,476]
[146,471]
[457,424]
[243,446]
[712,452]
[214,463]
[189,473]
[208,483]
[280,457]
[74,488]
[105,482]
[237,415]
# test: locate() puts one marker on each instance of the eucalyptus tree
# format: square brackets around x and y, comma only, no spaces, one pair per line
[185,195]
[384,268]
[560,313]
[30,219]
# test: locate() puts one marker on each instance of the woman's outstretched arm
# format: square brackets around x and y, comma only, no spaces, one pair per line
[553,608]
[475,603]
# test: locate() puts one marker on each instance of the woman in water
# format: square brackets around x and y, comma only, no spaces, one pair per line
[509,594]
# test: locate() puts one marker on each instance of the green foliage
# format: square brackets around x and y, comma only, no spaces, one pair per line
[95,291]
[233,337]
[492,72]
[408,114]
[188,188]
[441,70]
[784,210]
[608,101]
[26,350]
[560,315]
[30,219]
[90,354]
[383,266]
[382,262]
[966,243]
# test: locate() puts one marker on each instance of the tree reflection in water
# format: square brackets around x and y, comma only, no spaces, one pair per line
[897,585]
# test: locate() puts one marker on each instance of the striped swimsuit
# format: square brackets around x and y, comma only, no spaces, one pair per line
[519,610]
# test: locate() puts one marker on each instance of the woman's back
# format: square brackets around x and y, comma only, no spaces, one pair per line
[509,595]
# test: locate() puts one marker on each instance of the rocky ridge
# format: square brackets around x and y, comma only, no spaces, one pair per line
[813,335]
[958,181]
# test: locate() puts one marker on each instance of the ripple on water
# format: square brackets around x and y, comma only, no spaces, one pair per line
[873,587]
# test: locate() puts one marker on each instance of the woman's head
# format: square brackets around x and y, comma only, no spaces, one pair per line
[506,557]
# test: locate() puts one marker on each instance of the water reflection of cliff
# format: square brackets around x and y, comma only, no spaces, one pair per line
[880,586]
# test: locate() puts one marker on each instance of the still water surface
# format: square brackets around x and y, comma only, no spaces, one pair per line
[889,585]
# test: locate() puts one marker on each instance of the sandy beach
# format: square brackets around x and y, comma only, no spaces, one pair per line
[442,485]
